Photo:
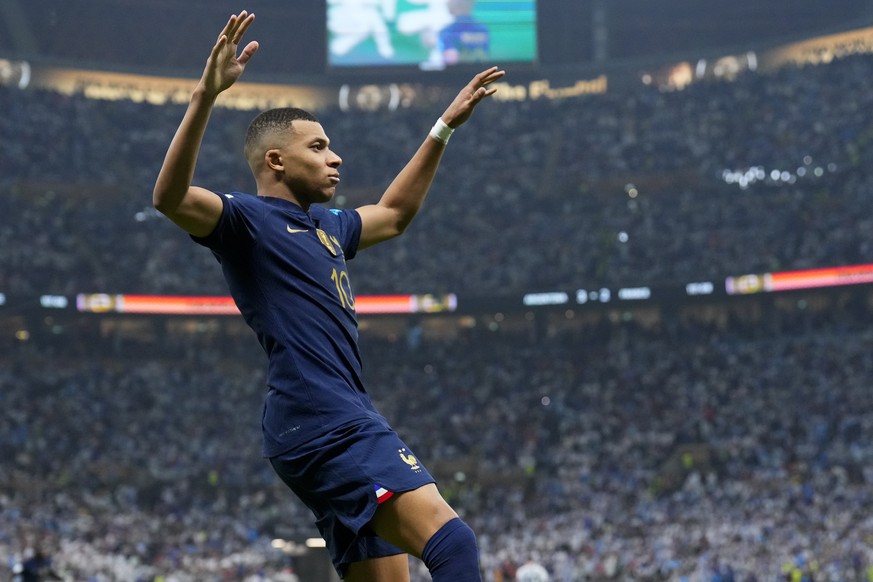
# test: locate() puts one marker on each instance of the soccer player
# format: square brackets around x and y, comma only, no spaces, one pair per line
[284,258]
[465,40]
[351,22]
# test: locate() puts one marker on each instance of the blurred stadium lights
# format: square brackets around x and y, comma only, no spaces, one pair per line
[15,73]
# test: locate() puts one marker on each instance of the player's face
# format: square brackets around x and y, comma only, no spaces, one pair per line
[311,167]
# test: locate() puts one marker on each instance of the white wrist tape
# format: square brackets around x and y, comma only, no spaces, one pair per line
[441,132]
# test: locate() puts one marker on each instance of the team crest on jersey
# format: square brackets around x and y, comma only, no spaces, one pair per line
[410,460]
[325,240]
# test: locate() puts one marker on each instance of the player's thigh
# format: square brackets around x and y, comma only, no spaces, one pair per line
[387,569]
[409,519]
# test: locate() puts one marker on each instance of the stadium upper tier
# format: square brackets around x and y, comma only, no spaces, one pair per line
[765,173]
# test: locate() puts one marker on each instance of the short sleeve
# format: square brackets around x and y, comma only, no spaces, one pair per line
[345,225]
[237,228]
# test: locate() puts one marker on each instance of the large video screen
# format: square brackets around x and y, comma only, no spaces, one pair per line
[433,34]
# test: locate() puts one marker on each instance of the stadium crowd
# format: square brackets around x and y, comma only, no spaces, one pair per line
[143,461]
[619,189]
[615,450]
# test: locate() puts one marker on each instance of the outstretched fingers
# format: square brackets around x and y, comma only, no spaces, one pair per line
[247,52]
[242,25]
[228,28]
[236,27]
[224,67]
[488,76]
[475,91]
[483,92]
[479,84]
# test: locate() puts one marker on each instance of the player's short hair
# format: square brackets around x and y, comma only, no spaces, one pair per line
[272,121]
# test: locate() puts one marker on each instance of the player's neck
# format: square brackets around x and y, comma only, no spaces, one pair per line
[285,194]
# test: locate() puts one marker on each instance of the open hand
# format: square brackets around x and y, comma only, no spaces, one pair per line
[224,67]
[475,91]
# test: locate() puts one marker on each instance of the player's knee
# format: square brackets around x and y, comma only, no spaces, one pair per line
[451,553]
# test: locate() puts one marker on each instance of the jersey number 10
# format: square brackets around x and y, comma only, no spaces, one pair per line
[343,289]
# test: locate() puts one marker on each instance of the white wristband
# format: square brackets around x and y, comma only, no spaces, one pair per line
[441,132]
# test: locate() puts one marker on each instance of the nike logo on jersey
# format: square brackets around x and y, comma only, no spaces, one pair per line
[296,230]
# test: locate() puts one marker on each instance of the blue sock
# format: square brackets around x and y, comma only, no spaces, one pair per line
[451,554]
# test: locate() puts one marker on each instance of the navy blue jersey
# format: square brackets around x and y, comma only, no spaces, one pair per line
[286,271]
[468,38]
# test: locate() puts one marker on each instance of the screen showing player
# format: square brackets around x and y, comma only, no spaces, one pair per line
[433,34]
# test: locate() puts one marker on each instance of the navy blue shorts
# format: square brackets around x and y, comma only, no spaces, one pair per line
[343,479]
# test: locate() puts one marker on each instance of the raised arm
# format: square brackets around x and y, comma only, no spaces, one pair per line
[399,204]
[197,210]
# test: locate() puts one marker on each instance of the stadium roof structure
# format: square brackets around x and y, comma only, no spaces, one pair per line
[169,36]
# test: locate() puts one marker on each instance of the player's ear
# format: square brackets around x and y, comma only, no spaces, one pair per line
[273,160]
